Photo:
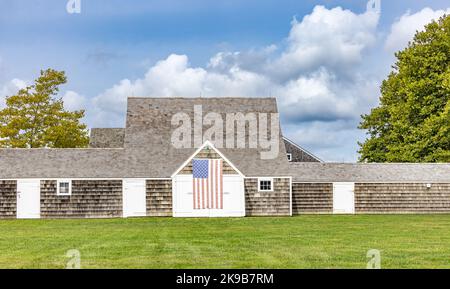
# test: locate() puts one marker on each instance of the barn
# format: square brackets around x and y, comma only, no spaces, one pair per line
[206,157]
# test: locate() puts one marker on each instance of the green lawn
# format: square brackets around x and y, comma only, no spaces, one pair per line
[405,241]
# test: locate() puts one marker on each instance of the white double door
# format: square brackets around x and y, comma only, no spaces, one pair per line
[233,198]
[344,198]
[134,198]
[28,199]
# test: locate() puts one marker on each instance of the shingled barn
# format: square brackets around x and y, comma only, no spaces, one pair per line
[139,171]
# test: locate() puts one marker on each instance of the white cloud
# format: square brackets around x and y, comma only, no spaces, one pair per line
[330,141]
[404,29]
[10,88]
[315,77]
[334,38]
[74,101]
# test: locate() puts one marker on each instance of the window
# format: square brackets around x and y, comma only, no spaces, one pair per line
[64,188]
[265,185]
[289,156]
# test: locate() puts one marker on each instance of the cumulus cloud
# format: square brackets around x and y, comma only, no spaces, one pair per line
[331,141]
[174,77]
[334,38]
[10,88]
[74,101]
[314,77]
[404,29]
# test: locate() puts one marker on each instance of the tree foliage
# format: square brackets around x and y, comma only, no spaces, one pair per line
[412,122]
[35,117]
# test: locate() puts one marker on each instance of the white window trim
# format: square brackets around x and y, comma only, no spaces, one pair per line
[265,179]
[58,193]
[289,157]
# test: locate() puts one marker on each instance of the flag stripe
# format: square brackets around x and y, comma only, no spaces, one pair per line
[217,178]
[211,184]
[221,188]
[198,194]
[193,194]
[206,194]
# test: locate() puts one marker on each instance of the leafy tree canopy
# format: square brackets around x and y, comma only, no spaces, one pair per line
[35,117]
[412,122]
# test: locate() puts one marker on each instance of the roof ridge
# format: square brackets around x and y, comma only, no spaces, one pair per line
[199,97]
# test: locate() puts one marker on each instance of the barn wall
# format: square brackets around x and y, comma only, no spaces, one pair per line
[159,198]
[400,198]
[89,199]
[276,203]
[8,199]
[312,198]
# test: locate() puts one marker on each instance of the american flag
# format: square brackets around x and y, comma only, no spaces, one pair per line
[207,184]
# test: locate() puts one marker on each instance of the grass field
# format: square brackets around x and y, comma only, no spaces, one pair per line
[405,241]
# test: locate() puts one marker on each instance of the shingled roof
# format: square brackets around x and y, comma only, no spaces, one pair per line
[149,130]
[106,138]
[371,172]
[147,151]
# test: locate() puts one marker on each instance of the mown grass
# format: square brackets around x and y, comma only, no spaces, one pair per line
[405,241]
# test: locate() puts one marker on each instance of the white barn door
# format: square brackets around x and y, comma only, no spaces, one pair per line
[134,198]
[233,198]
[343,198]
[28,199]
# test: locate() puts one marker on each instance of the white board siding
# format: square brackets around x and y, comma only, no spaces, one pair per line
[28,199]
[343,198]
[134,198]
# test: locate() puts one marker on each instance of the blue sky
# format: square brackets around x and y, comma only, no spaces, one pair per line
[325,67]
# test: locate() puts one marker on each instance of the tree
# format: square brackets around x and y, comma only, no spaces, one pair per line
[35,117]
[412,122]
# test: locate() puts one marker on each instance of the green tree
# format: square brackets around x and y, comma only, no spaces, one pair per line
[35,117]
[412,122]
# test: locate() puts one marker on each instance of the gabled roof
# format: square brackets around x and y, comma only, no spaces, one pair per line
[369,172]
[149,130]
[305,155]
[147,151]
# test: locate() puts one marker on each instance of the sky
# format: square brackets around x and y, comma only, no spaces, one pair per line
[324,61]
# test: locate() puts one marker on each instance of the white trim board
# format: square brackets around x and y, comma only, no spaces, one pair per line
[205,144]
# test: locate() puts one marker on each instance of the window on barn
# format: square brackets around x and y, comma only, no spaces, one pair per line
[64,188]
[289,157]
[265,185]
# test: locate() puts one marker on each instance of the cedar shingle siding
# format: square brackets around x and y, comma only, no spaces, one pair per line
[312,198]
[299,155]
[159,198]
[276,203]
[208,154]
[89,199]
[378,198]
[8,199]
